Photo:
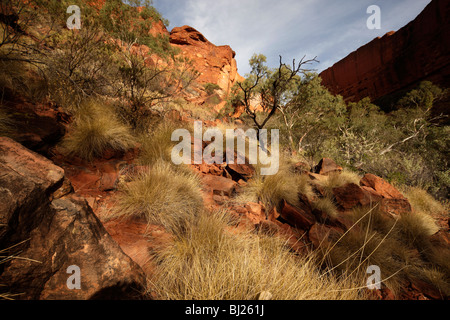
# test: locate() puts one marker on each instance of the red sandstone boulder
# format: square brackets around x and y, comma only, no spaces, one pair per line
[240,171]
[322,236]
[268,227]
[382,187]
[392,201]
[37,127]
[219,185]
[351,195]
[255,212]
[53,231]
[395,207]
[298,217]
[327,166]
[216,64]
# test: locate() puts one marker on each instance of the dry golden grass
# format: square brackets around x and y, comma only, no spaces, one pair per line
[326,205]
[272,189]
[422,201]
[417,227]
[158,145]
[336,180]
[95,130]
[211,263]
[162,195]
[372,241]
[195,111]
[400,247]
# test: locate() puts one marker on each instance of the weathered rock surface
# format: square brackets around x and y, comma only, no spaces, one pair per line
[37,127]
[398,60]
[351,195]
[216,64]
[49,234]
[327,166]
[382,187]
[300,217]
[322,236]
[219,185]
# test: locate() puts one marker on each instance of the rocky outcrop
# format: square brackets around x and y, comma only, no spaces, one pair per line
[45,231]
[327,166]
[39,127]
[388,66]
[216,64]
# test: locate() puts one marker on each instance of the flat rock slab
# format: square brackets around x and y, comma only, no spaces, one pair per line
[219,185]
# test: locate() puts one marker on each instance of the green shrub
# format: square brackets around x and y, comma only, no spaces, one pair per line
[211,88]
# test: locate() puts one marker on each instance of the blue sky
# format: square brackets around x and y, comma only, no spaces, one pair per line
[328,29]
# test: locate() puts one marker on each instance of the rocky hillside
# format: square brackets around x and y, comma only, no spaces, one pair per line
[398,61]
[88,187]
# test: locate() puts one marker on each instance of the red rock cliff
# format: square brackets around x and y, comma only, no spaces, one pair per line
[216,64]
[398,60]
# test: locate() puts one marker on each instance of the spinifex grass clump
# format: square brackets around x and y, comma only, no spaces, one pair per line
[211,262]
[157,145]
[271,190]
[162,195]
[401,247]
[95,130]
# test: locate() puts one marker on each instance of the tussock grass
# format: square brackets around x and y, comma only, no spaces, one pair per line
[158,145]
[417,227]
[372,241]
[162,195]
[95,130]
[336,180]
[211,263]
[326,205]
[400,247]
[422,201]
[197,112]
[272,189]
[440,279]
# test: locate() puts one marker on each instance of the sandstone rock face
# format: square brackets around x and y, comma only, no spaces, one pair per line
[352,195]
[216,64]
[48,233]
[398,60]
[385,189]
[37,127]
[299,217]
[219,185]
[373,190]
[327,166]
